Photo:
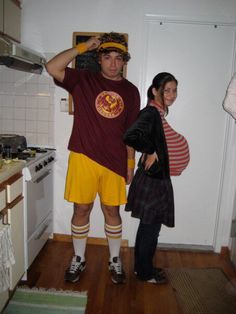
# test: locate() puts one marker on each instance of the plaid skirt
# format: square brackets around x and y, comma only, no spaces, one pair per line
[151,199]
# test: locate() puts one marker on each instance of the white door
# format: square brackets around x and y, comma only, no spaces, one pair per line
[233,223]
[201,58]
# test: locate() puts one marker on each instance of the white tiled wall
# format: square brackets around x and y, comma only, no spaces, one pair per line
[27,106]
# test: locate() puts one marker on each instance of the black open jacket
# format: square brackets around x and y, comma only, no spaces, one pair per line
[146,135]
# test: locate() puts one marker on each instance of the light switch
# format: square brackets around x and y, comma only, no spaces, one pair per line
[64,105]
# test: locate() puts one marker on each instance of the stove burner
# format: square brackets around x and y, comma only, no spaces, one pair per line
[23,155]
[38,149]
[30,153]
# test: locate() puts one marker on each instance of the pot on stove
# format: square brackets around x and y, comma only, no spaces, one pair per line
[12,143]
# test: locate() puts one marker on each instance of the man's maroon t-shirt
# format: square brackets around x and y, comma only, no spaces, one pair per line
[103,110]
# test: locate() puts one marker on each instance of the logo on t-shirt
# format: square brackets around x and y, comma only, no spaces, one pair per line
[109,104]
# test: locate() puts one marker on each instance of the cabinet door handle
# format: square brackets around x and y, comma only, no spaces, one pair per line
[4,218]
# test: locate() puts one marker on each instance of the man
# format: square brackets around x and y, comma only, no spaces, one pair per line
[105,105]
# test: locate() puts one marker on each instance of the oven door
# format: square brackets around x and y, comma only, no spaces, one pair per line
[37,240]
[38,194]
[39,200]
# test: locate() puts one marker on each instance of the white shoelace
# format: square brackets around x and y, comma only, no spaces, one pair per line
[74,265]
[118,267]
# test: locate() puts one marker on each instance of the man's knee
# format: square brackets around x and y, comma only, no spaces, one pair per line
[82,210]
[111,211]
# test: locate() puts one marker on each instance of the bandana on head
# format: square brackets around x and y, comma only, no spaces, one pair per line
[112,45]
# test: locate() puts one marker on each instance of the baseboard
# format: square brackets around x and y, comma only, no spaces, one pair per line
[91,240]
[185,247]
[125,243]
[225,251]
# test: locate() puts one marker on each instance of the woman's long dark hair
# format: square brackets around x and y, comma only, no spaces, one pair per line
[159,82]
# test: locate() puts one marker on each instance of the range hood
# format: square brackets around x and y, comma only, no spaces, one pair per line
[18,57]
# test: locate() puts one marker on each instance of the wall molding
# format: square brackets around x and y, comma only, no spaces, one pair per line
[91,240]
[216,21]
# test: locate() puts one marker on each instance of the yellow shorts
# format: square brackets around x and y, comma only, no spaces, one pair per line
[85,178]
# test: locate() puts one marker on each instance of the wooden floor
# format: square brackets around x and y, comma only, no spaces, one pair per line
[104,297]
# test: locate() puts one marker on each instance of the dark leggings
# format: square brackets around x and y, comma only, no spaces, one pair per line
[145,247]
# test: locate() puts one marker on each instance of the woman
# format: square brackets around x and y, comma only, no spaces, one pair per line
[164,153]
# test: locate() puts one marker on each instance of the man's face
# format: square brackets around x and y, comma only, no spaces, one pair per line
[111,65]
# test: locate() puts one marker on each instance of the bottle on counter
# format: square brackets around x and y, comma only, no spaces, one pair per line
[8,152]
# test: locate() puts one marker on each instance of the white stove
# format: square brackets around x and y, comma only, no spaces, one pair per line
[37,191]
[38,201]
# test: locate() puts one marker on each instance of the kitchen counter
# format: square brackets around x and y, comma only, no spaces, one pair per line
[9,169]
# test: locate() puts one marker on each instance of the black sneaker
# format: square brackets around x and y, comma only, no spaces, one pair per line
[159,276]
[117,272]
[72,273]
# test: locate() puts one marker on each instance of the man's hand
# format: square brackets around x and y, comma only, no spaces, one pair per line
[130,164]
[93,43]
[130,175]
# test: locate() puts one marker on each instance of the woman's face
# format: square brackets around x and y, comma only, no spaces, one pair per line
[169,94]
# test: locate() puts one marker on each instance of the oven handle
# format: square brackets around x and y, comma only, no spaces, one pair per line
[42,177]
[38,236]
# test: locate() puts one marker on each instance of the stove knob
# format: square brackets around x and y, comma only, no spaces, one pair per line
[50,159]
[45,163]
[37,168]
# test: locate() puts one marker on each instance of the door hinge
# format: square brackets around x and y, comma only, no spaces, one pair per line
[233,229]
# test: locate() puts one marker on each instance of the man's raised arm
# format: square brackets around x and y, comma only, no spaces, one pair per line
[56,66]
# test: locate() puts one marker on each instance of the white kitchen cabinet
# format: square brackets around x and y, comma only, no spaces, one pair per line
[15,206]
[10,19]
[14,188]
[16,220]
[3,199]
[12,209]
[3,299]
[4,295]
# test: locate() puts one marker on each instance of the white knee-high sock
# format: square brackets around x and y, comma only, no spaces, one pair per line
[114,235]
[79,238]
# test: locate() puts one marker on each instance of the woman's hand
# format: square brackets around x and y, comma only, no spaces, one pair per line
[150,159]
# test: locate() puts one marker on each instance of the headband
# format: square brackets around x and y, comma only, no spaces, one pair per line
[112,45]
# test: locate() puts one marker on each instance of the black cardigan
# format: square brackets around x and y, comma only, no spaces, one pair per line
[146,135]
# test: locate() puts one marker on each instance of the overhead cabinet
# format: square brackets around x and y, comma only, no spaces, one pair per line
[10,19]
